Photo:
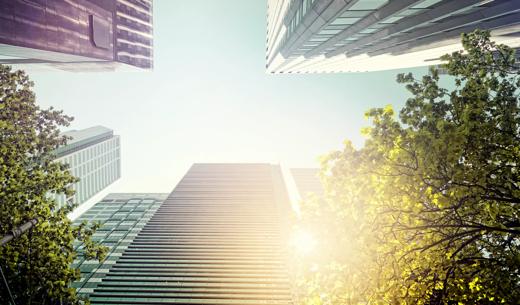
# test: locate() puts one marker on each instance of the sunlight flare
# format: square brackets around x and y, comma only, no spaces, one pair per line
[303,242]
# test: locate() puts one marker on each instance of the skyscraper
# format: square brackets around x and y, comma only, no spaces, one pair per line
[94,156]
[121,217]
[77,35]
[307,181]
[368,35]
[219,238]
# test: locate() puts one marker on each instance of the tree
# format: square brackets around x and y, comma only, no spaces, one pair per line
[37,265]
[427,211]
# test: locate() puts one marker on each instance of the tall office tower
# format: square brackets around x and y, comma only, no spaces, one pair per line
[307,182]
[121,216]
[94,156]
[217,239]
[367,35]
[77,35]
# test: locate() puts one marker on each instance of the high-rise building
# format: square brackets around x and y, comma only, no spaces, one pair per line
[367,35]
[94,156]
[77,35]
[121,217]
[307,182]
[219,238]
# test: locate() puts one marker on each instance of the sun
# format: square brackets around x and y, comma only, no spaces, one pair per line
[303,242]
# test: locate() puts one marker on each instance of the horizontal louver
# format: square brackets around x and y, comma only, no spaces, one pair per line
[215,240]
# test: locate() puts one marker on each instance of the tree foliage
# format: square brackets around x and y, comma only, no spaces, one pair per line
[37,264]
[427,211]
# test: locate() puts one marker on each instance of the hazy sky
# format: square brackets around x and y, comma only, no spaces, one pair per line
[209,99]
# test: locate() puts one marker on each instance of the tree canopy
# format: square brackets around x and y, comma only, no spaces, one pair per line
[427,211]
[37,265]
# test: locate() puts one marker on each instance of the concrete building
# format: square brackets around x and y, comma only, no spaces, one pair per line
[307,182]
[219,238]
[306,36]
[121,216]
[94,156]
[77,35]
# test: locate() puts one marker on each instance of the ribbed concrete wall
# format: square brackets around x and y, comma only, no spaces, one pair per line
[217,239]
[307,181]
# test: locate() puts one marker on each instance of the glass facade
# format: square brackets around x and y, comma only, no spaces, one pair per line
[134,33]
[121,216]
[217,239]
[357,35]
[79,35]
[94,156]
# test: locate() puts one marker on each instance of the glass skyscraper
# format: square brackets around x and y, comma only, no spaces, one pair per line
[305,36]
[220,237]
[78,35]
[121,216]
[94,156]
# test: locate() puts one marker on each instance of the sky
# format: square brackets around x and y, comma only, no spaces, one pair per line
[208,99]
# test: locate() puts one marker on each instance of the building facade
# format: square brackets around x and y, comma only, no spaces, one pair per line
[306,36]
[219,238]
[94,156]
[77,35]
[307,182]
[121,217]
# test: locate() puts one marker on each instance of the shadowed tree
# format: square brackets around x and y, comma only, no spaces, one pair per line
[427,211]
[37,265]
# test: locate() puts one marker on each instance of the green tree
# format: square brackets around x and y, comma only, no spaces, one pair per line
[427,211]
[37,265]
